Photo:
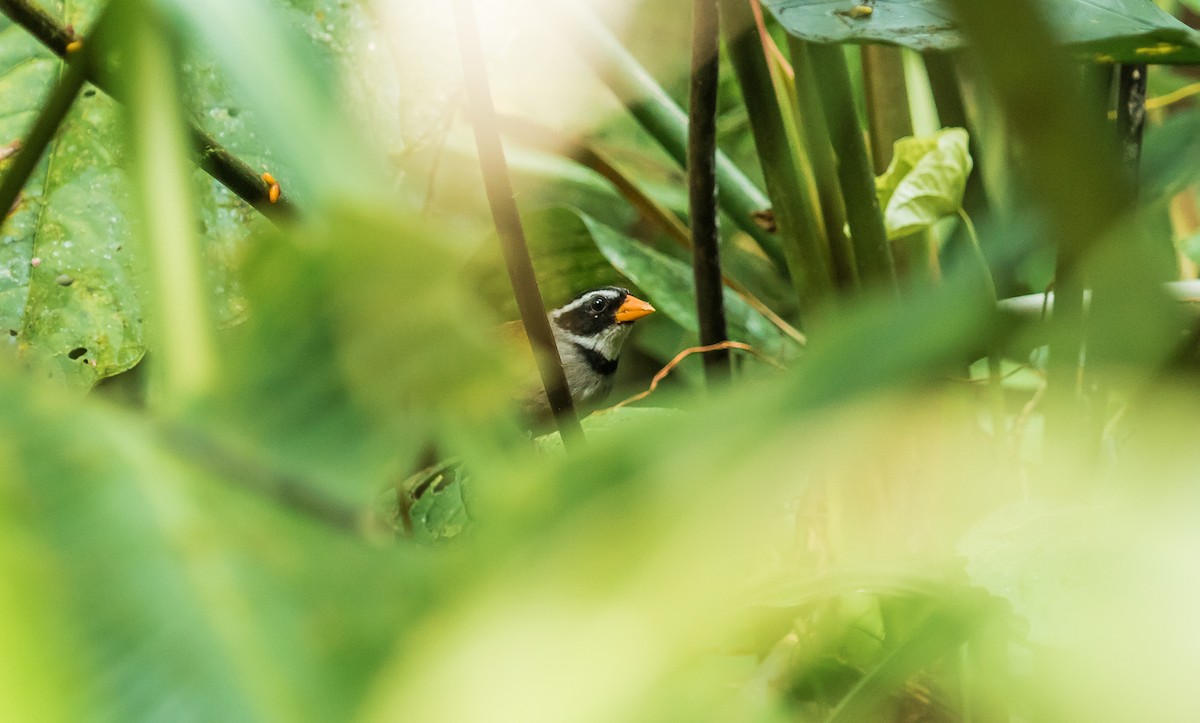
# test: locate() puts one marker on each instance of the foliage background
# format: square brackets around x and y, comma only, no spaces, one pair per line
[210,531]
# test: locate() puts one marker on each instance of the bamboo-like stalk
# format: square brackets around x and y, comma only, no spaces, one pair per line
[702,186]
[498,186]
[872,253]
[807,255]
[886,95]
[888,120]
[815,133]
[216,160]
[661,116]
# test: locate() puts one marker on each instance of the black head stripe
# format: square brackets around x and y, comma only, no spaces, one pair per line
[578,319]
[597,361]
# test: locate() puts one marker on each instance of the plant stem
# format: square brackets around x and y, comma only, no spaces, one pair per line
[788,186]
[232,172]
[50,117]
[702,186]
[824,167]
[661,116]
[952,113]
[498,186]
[871,250]
[886,101]
[1131,114]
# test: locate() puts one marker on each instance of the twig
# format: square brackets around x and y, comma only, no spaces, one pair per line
[48,121]
[702,186]
[231,171]
[662,373]
[245,473]
[498,186]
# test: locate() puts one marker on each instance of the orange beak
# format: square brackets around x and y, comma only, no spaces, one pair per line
[633,309]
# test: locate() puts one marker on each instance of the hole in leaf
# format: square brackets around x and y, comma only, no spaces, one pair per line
[76,352]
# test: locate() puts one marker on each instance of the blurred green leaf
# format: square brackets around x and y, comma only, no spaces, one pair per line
[924,182]
[1124,31]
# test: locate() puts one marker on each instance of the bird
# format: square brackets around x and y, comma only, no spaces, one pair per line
[588,331]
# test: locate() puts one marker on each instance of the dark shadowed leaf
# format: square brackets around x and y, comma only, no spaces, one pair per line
[1105,30]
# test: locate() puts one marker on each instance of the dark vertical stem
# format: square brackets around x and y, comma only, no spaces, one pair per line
[702,185]
[871,250]
[508,223]
[48,121]
[1131,114]
[659,115]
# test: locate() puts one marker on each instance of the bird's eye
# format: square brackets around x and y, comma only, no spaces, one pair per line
[598,304]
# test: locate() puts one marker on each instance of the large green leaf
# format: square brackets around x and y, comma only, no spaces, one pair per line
[67,291]
[924,181]
[1106,30]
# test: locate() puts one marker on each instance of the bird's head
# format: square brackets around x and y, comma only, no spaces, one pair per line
[600,318]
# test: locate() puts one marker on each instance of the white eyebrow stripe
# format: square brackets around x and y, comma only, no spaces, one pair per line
[607,293]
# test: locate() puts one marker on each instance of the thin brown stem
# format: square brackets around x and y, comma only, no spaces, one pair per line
[498,186]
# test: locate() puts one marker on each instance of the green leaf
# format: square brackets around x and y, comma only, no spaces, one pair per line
[67,290]
[1105,30]
[924,182]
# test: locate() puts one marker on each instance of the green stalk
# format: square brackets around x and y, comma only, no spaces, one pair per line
[886,95]
[872,253]
[661,116]
[815,132]
[183,330]
[952,113]
[808,257]
[888,119]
